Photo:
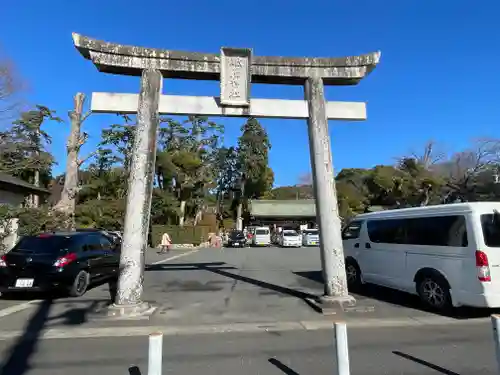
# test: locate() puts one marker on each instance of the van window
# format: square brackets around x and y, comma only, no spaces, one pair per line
[426,231]
[352,230]
[386,231]
[261,231]
[491,230]
[437,231]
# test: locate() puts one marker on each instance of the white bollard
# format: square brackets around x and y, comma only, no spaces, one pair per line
[342,348]
[155,356]
[495,320]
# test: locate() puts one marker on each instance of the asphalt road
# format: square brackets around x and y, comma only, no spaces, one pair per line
[242,286]
[410,351]
[213,286]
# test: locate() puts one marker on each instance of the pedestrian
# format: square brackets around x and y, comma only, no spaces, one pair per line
[166,243]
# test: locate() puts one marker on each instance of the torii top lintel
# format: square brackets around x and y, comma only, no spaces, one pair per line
[131,60]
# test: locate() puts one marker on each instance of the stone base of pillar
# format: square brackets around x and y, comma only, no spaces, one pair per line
[328,305]
[140,311]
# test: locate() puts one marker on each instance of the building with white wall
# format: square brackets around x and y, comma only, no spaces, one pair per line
[13,192]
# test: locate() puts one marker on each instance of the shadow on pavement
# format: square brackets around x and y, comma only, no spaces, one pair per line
[134,370]
[185,266]
[17,362]
[262,284]
[432,366]
[397,298]
[281,366]
[219,269]
[77,315]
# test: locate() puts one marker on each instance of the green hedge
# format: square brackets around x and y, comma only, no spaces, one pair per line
[181,235]
[228,224]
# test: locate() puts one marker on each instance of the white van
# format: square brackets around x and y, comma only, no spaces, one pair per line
[449,255]
[261,236]
[310,237]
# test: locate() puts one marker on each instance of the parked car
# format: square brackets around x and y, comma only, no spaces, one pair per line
[116,236]
[310,237]
[448,255]
[67,261]
[290,238]
[261,237]
[236,239]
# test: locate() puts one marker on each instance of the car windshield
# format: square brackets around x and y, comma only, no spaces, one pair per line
[261,231]
[490,224]
[237,234]
[290,234]
[42,244]
[311,232]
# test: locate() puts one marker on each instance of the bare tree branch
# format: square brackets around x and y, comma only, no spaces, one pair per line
[465,167]
[81,161]
[82,139]
[431,155]
[10,87]
[86,115]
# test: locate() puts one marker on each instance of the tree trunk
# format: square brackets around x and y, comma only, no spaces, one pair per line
[198,216]
[67,203]
[182,213]
[218,200]
[239,220]
[426,197]
[36,197]
[239,209]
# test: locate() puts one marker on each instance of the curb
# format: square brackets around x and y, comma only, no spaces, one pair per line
[338,309]
[263,327]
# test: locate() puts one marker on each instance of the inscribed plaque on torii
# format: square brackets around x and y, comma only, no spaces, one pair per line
[235,76]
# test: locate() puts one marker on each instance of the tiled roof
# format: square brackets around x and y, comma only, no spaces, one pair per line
[6,179]
[283,208]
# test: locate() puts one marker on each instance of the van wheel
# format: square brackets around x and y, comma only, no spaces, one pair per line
[80,284]
[434,293]
[353,274]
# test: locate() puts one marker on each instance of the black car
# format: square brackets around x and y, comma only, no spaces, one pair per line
[236,239]
[114,235]
[67,261]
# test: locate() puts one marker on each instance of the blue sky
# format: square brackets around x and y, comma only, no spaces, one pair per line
[437,79]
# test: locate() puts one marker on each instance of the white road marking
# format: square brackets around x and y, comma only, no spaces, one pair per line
[176,256]
[17,308]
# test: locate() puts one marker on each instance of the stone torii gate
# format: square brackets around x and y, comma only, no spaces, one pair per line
[236,68]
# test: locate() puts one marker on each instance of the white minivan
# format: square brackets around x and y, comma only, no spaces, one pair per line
[261,237]
[310,237]
[449,255]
